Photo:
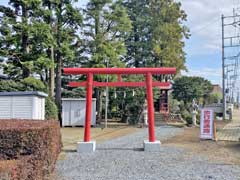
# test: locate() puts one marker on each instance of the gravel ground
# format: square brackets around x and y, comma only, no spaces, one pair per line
[123,158]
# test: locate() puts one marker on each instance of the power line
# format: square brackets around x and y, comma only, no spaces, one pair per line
[206,26]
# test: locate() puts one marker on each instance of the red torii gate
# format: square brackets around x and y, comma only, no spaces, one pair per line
[89,84]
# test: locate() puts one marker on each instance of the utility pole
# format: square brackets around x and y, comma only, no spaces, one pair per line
[223,72]
[230,58]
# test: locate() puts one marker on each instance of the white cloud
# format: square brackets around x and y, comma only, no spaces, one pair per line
[204,21]
[214,75]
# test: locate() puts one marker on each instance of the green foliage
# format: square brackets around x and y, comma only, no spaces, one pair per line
[10,85]
[174,105]
[188,88]
[157,34]
[51,111]
[214,98]
[74,93]
[186,115]
[27,84]
[24,39]
[32,84]
[107,25]
[128,107]
[188,119]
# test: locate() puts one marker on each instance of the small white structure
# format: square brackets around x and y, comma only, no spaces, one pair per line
[74,110]
[151,146]
[22,105]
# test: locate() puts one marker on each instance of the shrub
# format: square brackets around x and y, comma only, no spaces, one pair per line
[9,85]
[51,110]
[189,120]
[187,116]
[27,84]
[32,84]
[28,148]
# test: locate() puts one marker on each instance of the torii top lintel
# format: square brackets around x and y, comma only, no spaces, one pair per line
[163,70]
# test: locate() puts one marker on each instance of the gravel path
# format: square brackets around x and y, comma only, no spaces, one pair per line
[124,159]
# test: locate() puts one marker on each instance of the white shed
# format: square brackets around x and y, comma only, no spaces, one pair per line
[22,105]
[74,110]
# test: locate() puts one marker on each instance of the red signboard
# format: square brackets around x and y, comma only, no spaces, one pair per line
[206,124]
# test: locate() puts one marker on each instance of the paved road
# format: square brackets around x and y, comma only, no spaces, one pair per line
[231,132]
[124,159]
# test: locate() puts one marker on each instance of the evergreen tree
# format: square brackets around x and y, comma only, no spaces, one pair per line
[24,38]
[65,20]
[138,43]
[35,35]
[106,26]
[168,33]
[158,33]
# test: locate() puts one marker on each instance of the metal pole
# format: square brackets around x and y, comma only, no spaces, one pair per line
[106,105]
[227,76]
[223,72]
[106,102]
[150,107]
[88,107]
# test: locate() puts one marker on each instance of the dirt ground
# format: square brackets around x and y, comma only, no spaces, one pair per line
[216,151]
[72,135]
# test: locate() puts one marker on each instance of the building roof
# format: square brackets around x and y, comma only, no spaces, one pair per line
[217,89]
[24,93]
[76,99]
[3,76]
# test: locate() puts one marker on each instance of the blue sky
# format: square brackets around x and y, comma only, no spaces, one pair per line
[204,46]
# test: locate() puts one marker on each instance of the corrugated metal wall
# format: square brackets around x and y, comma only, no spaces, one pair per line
[21,107]
[74,110]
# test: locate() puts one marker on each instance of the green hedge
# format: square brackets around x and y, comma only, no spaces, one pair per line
[51,110]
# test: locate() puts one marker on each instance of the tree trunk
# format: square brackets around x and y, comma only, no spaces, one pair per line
[136,54]
[99,106]
[24,38]
[51,56]
[58,95]
[52,75]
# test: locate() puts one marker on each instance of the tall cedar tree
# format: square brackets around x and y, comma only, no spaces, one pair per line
[24,38]
[138,43]
[158,33]
[106,26]
[65,20]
